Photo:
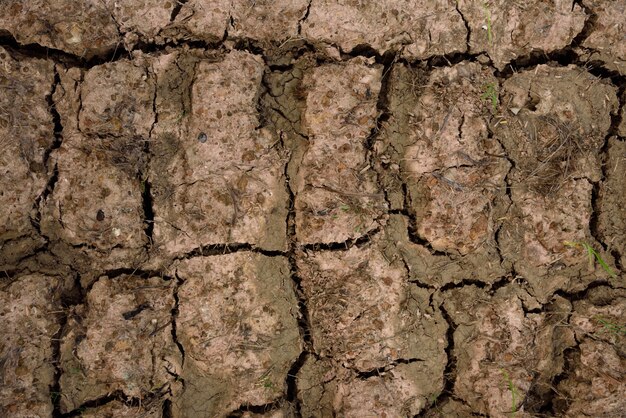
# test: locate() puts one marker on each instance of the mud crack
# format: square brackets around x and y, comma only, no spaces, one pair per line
[468,30]
[147,200]
[56,144]
[75,296]
[221,249]
[304,17]
[304,323]
[175,313]
[118,395]
[256,409]
[345,245]
[380,371]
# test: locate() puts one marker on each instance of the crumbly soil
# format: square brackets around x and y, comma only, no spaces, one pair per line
[312,208]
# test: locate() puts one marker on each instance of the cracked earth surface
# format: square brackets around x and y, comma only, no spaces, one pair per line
[312,208]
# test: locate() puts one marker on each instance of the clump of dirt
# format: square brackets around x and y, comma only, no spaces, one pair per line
[82,29]
[377,343]
[598,362]
[237,319]
[508,30]
[328,389]
[419,28]
[370,318]
[119,340]
[336,194]
[553,133]
[116,408]
[564,114]
[30,308]
[222,170]
[605,43]
[26,139]
[505,357]
[443,167]
[454,172]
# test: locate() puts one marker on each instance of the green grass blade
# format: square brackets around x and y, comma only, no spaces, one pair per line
[594,253]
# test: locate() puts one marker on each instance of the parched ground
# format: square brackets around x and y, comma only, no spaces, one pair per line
[312,208]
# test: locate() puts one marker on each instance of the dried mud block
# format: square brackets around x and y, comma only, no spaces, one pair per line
[83,28]
[328,389]
[267,20]
[606,40]
[536,231]
[237,324]
[553,130]
[202,20]
[220,180]
[141,18]
[553,124]
[595,381]
[119,340]
[612,217]
[508,30]
[454,172]
[336,193]
[264,21]
[499,349]
[437,269]
[421,28]
[95,205]
[601,317]
[365,314]
[94,215]
[29,321]
[26,136]
[117,99]
[116,409]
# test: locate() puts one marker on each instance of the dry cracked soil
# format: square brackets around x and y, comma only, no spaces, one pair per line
[312,208]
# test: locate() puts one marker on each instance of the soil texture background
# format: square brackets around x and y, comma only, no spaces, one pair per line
[312,208]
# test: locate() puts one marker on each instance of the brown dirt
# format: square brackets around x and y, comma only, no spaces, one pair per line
[312,208]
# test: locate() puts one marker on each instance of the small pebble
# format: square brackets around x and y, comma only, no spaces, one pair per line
[202,137]
[100,215]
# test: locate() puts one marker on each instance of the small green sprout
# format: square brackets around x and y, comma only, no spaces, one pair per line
[267,383]
[55,396]
[513,391]
[488,21]
[490,92]
[433,398]
[265,380]
[592,254]
[344,208]
[611,327]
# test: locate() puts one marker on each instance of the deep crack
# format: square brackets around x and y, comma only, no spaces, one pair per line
[175,312]
[56,144]
[468,29]
[211,250]
[344,245]
[304,17]
[304,323]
